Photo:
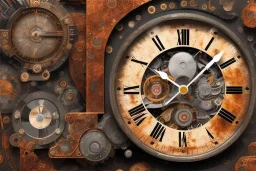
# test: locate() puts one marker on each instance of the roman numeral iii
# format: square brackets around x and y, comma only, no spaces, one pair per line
[183,37]
[234,90]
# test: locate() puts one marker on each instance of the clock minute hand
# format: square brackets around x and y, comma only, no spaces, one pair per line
[216,58]
[164,76]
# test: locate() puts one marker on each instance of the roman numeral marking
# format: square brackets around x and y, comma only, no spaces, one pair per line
[139,62]
[137,115]
[234,90]
[229,62]
[182,139]
[227,115]
[131,90]
[158,132]
[158,43]
[183,37]
[208,132]
[209,44]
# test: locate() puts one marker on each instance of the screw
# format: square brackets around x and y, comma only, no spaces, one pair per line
[46,75]
[63,84]
[163,7]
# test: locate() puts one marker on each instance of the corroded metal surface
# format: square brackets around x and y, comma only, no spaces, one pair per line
[249,15]
[77,125]
[77,58]
[98,30]
[30,160]
[252,149]
[246,164]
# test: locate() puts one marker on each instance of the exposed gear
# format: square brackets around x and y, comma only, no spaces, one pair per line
[155,89]
[95,146]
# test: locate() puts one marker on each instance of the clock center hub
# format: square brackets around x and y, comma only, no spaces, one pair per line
[183,90]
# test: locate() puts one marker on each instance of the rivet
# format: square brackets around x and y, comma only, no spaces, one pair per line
[21,131]
[46,75]
[69,46]
[131,24]
[109,49]
[6,120]
[17,115]
[163,6]
[204,7]
[6,47]
[138,17]
[94,86]
[184,3]
[172,5]
[119,27]
[111,3]
[192,3]
[97,43]
[24,77]
[63,84]
[151,10]
[52,153]
[58,131]
[37,68]
[250,38]
[250,14]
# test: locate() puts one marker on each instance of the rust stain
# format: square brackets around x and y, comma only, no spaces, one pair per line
[98,29]
[252,149]
[78,124]
[77,59]
[29,160]
[249,15]
[247,163]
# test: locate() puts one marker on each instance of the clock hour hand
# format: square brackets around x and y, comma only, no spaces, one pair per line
[164,76]
[215,59]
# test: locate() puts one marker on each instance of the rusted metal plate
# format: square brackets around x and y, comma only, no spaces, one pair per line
[77,59]
[77,125]
[249,15]
[30,160]
[246,163]
[98,29]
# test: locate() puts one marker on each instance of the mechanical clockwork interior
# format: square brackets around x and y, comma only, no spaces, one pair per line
[138,85]
[199,105]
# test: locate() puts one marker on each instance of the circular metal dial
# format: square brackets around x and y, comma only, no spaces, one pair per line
[36,35]
[39,116]
[206,116]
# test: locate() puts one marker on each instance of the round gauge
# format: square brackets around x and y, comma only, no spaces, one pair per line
[36,35]
[9,88]
[181,86]
[39,116]
[40,37]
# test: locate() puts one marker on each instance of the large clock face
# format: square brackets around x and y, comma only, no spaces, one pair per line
[182,116]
